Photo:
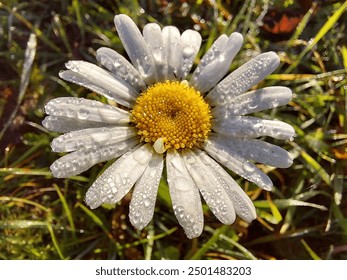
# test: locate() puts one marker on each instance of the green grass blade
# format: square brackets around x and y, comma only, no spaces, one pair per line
[321,33]
[21,224]
[316,167]
[66,208]
[207,245]
[55,241]
[309,250]
[242,249]
[25,201]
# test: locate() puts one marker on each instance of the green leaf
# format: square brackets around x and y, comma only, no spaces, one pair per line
[309,250]
[316,167]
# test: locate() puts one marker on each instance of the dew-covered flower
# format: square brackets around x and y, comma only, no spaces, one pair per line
[192,126]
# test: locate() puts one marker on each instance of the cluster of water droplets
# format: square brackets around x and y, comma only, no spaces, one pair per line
[253,101]
[238,164]
[121,67]
[184,194]
[191,223]
[145,192]
[190,45]
[99,80]
[85,109]
[243,78]
[81,160]
[117,180]
[213,53]
[242,204]
[136,48]
[211,189]
[247,126]
[91,138]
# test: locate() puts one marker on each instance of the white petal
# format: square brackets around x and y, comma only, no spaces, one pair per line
[253,101]
[85,109]
[256,150]
[92,138]
[184,195]
[99,80]
[243,205]
[145,193]
[243,78]
[121,67]
[245,126]
[238,165]
[172,46]
[136,48]
[66,124]
[154,39]
[81,160]
[210,188]
[190,45]
[216,62]
[116,181]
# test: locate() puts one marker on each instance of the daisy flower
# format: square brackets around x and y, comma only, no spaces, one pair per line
[192,127]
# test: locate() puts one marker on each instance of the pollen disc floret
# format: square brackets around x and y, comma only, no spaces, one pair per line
[172,115]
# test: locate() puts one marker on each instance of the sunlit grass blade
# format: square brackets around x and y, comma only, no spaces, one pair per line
[316,167]
[147,240]
[344,55]
[25,171]
[321,33]
[22,224]
[16,200]
[66,208]
[198,255]
[309,250]
[237,245]
[285,203]
[77,9]
[55,241]
[274,210]
[61,30]
[301,26]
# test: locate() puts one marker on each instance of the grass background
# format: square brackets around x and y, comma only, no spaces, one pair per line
[45,218]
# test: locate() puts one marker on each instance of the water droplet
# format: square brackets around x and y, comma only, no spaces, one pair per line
[188,51]
[275,103]
[157,54]
[181,184]
[116,64]
[258,125]
[221,58]
[146,202]
[70,113]
[83,114]
[190,159]
[72,66]
[248,167]
[141,157]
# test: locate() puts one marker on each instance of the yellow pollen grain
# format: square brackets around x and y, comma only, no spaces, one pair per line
[174,113]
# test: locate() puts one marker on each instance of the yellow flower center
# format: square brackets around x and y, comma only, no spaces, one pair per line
[172,115]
